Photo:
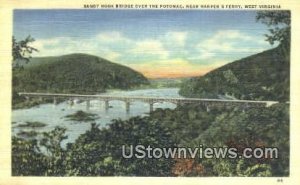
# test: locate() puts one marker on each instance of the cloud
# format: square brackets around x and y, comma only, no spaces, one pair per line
[111,45]
[61,46]
[111,55]
[232,42]
[150,47]
[112,37]
[101,45]
[176,38]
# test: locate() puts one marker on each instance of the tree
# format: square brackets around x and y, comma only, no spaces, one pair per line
[39,157]
[26,158]
[21,50]
[280,26]
[98,152]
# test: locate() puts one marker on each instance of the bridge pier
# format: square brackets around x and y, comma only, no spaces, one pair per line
[27,98]
[179,104]
[88,104]
[207,108]
[245,107]
[106,105]
[151,107]
[127,106]
[71,102]
[54,101]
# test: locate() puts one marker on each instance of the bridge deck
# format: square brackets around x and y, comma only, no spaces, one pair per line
[147,99]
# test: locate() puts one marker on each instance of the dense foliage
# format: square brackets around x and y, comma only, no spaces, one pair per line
[98,151]
[232,127]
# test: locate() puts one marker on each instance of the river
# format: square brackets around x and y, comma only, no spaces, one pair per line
[54,115]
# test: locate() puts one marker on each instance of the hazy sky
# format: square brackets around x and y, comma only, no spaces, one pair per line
[158,43]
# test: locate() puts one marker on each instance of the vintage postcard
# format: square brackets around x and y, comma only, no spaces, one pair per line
[119,92]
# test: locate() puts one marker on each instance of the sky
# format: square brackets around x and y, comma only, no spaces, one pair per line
[157,43]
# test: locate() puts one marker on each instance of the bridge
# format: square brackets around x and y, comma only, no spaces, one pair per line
[150,100]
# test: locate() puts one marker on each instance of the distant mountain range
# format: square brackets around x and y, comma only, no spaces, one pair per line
[263,76]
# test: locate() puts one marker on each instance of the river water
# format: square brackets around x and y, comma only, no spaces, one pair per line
[54,115]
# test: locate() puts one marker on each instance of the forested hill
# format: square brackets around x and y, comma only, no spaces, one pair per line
[74,73]
[263,76]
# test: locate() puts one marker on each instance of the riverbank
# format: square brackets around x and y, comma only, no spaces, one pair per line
[32,103]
